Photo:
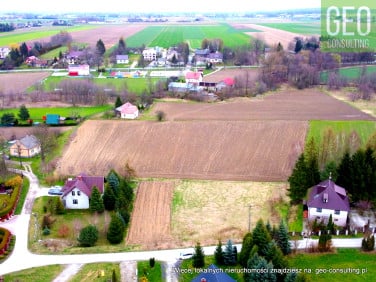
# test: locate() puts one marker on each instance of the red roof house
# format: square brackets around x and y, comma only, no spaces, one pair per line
[127,111]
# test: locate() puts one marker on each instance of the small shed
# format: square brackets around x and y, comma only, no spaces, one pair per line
[52,119]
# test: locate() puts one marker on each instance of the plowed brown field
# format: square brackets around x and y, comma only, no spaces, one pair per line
[19,82]
[151,217]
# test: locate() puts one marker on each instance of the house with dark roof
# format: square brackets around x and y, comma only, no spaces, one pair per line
[77,191]
[213,274]
[325,199]
[26,147]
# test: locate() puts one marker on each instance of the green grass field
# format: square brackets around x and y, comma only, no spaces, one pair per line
[167,36]
[11,38]
[37,113]
[44,273]
[364,129]
[97,272]
[350,260]
[350,72]
[151,274]
[310,28]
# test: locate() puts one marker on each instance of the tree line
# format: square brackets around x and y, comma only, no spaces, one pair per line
[6,27]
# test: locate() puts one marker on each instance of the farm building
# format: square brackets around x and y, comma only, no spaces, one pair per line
[26,147]
[52,119]
[122,59]
[77,192]
[127,111]
[78,70]
[193,78]
[325,199]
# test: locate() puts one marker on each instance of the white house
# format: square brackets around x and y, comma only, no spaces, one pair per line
[127,111]
[122,59]
[77,192]
[193,78]
[325,199]
[149,54]
[26,147]
[4,52]
[78,70]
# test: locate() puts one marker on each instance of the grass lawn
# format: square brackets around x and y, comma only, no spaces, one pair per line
[97,272]
[345,262]
[152,274]
[36,114]
[349,72]
[364,129]
[42,274]
[24,191]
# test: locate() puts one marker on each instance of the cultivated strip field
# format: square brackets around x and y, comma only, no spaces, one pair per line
[19,82]
[221,150]
[303,105]
[271,36]
[151,217]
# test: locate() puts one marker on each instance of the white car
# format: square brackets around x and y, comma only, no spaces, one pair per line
[183,256]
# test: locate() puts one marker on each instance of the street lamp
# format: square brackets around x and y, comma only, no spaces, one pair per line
[249,218]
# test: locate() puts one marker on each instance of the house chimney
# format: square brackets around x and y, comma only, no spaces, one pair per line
[79,177]
[325,197]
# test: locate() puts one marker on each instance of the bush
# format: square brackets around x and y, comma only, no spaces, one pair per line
[152,262]
[88,236]
[63,231]
[161,116]
[368,243]
[46,231]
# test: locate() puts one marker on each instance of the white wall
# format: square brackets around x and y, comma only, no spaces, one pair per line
[338,219]
[82,200]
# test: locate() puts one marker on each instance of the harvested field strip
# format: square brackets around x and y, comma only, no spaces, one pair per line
[150,222]
[221,150]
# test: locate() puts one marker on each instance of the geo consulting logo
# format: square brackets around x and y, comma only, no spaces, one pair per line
[348,26]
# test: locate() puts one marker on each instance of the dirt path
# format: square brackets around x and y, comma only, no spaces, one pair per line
[128,271]
[68,272]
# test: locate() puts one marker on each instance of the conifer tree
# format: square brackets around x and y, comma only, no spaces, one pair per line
[218,254]
[229,256]
[261,237]
[109,199]
[96,201]
[344,178]
[267,275]
[298,181]
[23,113]
[198,259]
[118,102]
[283,239]
[246,249]
[116,230]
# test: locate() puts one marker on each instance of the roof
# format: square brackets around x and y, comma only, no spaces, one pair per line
[229,81]
[193,75]
[84,183]
[121,57]
[328,195]
[202,52]
[213,274]
[29,141]
[216,55]
[127,108]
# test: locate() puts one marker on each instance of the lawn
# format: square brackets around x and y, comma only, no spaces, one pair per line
[167,36]
[351,73]
[310,28]
[97,272]
[150,273]
[364,129]
[36,114]
[344,265]
[32,35]
[43,274]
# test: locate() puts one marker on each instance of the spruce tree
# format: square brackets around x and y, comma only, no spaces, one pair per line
[246,249]
[267,275]
[113,181]
[283,239]
[198,259]
[88,236]
[344,172]
[218,254]
[115,233]
[298,181]
[96,201]
[229,256]
[23,113]
[100,48]
[109,199]
[261,237]
[118,102]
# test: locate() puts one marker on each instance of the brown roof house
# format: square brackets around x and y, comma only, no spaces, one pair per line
[325,199]
[26,147]
[77,191]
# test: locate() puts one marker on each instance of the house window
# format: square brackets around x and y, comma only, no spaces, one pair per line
[73,193]
[337,212]
[75,202]
[319,210]
[78,193]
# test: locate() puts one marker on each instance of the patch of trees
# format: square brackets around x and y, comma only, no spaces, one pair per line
[6,27]
[349,165]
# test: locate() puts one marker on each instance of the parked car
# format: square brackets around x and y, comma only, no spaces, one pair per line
[183,256]
[56,190]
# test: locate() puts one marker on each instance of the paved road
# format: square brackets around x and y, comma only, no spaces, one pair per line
[21,258]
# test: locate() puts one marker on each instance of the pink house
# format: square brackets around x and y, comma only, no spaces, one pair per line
[193,77]
[127,111]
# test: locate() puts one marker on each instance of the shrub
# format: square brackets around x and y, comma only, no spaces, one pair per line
[152,262]
[46,231]
[88,236]
[63,231]
[47,221]
[116,230]
[325,242]
[160,115]
[368,242]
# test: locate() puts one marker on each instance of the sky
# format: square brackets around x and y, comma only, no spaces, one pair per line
[137,6]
